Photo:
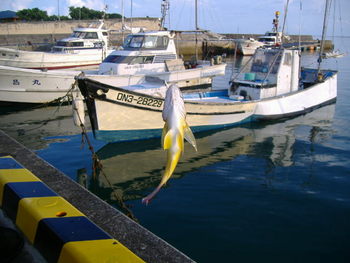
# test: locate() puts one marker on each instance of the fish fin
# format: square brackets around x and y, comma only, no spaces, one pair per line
[167,140]
[164,132]
[189,136]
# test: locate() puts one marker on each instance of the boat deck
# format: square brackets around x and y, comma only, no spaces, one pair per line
[218,96]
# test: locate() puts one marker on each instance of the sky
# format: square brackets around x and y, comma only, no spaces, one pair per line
[221,16]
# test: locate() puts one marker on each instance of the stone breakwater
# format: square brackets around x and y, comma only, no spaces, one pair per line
[42,35]
[48,32]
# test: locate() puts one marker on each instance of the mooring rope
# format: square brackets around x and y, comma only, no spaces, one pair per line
[97,166]
[68,97]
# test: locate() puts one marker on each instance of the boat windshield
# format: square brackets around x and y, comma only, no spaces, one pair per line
[266,39]
[85,35]
[266,61]
[131,60]
[145,42]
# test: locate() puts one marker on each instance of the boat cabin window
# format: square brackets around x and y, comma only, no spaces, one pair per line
[264,61]
[266,39]
[146,42]
[104,33]
[142,60]
[70,44]
[128,59]
[57,49]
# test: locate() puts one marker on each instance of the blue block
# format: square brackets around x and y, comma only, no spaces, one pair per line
[9,163]
[53,233]
[14,192]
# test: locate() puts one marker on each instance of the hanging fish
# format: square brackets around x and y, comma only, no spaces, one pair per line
[174,131]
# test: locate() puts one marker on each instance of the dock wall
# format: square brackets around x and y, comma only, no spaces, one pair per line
[66,26]
[87,210]
[42,35]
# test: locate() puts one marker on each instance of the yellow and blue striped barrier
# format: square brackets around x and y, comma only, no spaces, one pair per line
[59,231]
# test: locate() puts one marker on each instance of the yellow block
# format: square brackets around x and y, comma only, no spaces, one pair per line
[92,251]
[15,175]
[32,210]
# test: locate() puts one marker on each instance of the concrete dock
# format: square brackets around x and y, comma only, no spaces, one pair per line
[102,221]
[42,36]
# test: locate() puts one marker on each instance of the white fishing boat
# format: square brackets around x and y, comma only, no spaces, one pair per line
[247,47]
[273,86]
[85,47]
[146,53]
[280,87]
[333,54]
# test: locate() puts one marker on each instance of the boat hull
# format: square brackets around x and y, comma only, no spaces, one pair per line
[300,102]
[33,86]
[50,60]
[37,86]
[248,47]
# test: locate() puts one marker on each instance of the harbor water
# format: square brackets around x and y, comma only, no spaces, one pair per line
[260,192]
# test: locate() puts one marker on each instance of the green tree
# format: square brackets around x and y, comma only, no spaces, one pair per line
[84,13]
[34,14]
[113,16]
[55,18]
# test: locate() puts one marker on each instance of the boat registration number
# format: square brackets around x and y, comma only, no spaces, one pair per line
[139,100]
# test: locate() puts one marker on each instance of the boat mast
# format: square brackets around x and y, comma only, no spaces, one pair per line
[123,21]
[131,14]
[324,30]
[196,25]
[284,19]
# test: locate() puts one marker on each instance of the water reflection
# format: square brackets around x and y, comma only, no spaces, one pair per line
[134,168]
[33,126]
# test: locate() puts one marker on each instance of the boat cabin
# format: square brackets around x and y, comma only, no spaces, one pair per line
[142,53]
[84,39]
[271,72]
[271,38]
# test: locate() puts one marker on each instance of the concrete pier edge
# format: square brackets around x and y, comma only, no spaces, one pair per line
[139,240]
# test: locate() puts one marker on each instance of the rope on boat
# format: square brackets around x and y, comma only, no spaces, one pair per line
[97,166]
[68,97]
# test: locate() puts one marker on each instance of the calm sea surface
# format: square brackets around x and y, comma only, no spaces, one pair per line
[268,192]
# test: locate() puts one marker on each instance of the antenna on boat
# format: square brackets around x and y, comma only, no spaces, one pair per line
[58,10]
[197,28]
[104,12]
[165,12]
[324,30]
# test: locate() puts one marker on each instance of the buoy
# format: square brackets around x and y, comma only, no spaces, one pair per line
[78,111]
[218,60]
